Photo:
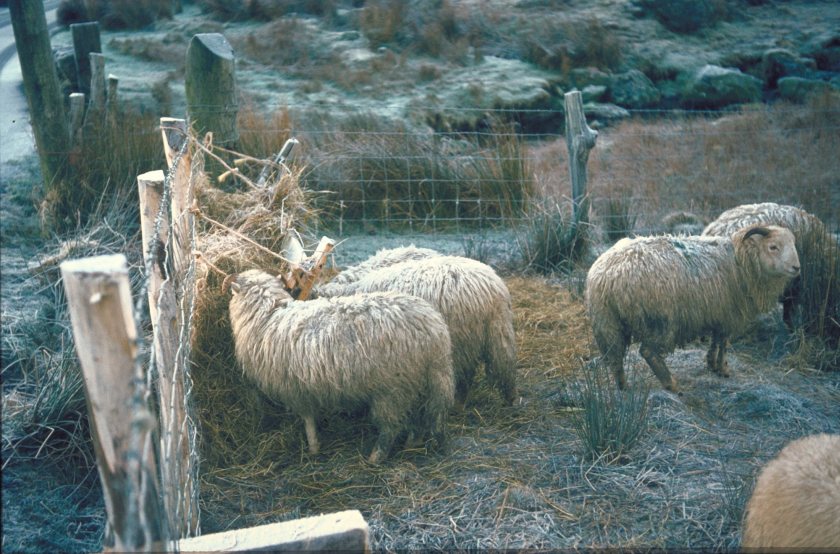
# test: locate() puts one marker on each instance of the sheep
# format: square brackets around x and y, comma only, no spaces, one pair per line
[667,290]
[683,223]
[389,351]
[813,243]
[383,258]
[474,302]
[796,501]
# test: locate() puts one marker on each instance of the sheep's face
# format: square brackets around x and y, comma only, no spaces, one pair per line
[775,246]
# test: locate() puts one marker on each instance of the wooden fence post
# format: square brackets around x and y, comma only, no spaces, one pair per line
[112,107]
[99,298]
[95,115]
[580,139]
[174,133]
[43,93]
[77,117]
[178,489]
[86,39]
[210,87]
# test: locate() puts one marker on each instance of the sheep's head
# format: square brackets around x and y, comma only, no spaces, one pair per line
[772,249]
[261,284]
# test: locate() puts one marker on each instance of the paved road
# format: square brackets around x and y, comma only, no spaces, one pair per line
[16,139]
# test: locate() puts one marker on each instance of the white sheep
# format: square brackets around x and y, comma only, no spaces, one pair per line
[796,501]
[389,351]
[474,301]
[382,258]
[667,290]
[816,247]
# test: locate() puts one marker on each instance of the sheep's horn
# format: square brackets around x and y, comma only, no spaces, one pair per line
[230,283]
[763,231]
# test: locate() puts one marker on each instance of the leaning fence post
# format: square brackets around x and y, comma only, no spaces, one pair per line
[177,486]
[99,299]
[580,139]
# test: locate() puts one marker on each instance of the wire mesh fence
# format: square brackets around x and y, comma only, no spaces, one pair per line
[378,175]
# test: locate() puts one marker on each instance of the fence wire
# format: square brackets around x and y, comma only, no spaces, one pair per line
[178,516]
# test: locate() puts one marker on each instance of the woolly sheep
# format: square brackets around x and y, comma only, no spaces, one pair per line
[382,258]
[474,301]
[796,501]
[389,351]
[813,242]
[667,290]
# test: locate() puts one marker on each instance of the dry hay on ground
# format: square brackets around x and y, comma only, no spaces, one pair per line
[516,476]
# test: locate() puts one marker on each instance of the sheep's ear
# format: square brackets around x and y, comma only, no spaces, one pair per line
[762,231]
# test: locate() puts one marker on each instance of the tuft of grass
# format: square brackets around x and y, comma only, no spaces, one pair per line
[619,221]
[103,165]
[610,421]
[552,241]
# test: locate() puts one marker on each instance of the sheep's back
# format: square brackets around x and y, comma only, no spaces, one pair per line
[796,501]
[650,283]
[383,258]
[337,352]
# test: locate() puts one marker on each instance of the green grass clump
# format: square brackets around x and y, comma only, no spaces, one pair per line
[610,421]
[552,240]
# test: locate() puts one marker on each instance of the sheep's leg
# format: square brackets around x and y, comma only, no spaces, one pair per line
[311,434]
[656,362]
[463,381]
[388,424]
[614,359]
[716,358]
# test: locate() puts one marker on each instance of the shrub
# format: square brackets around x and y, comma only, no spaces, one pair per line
[552,240]
[619,221]
[104,163]
[610,421]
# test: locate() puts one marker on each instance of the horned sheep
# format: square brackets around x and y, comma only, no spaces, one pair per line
[816,247]
[796,501]
[474,302]
[388,351]
[664,291]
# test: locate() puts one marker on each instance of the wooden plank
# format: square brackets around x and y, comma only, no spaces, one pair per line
[99,297]
[341,531]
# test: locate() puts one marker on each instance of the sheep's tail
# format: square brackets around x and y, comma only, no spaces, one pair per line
[500,356]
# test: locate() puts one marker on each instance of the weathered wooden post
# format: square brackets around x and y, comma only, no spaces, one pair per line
[210,87]
[174,133]
[77,117]
[179,491]
[580,139]
[99,298]
[112,106]
[43,93]
[95,115]
[86,39]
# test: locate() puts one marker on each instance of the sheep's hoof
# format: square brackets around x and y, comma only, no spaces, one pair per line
[375,456]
